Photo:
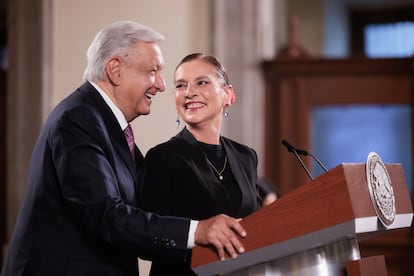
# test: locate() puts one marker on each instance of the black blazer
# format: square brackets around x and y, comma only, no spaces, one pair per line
[179,182]
[79,215]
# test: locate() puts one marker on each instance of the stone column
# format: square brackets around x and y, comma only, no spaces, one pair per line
[246,32]
[28,22]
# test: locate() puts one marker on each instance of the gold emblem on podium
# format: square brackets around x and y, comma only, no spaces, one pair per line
[380,189]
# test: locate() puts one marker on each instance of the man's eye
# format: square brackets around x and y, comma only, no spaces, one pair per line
[202,82]
[179,85]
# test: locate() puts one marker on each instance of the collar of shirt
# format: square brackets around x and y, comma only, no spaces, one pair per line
[117,112]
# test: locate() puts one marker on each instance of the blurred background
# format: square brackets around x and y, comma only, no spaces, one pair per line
[333,77]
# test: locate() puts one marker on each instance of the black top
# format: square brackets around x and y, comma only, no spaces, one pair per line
[180,182]
[230,199]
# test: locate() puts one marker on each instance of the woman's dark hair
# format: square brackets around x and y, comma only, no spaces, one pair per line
[221,71]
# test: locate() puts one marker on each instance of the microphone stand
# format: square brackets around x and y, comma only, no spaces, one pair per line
[296,151]
[319,162]
[303,165]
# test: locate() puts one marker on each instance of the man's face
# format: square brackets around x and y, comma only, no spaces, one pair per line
[140,80]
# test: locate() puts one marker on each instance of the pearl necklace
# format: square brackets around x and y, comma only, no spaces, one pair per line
[220,173]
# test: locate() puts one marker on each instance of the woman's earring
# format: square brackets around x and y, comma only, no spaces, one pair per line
[226,114]
[178,122]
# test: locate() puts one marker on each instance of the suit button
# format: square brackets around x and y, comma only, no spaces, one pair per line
[173,243]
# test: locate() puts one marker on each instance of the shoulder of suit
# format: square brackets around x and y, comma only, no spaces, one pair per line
[164,148]
[237,145]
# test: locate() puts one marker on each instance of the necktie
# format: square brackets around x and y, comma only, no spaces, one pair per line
[129,135]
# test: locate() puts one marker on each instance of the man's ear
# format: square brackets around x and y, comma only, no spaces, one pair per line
[113,70]
[230,95]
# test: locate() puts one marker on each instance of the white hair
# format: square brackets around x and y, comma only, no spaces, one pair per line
[115,39]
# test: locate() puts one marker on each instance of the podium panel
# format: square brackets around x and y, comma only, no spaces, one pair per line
[368,266]
[328,259]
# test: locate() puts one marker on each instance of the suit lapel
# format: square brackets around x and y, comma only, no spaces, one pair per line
[199,164]
[242,180]
[115,132]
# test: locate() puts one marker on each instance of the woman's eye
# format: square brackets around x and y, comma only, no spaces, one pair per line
[179,85]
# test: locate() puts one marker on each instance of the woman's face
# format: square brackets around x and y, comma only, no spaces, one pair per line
[200,94]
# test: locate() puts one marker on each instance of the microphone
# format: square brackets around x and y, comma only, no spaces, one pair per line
[290,148]
[303,152]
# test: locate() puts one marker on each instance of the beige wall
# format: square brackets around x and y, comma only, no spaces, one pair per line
[310,16]
[184,23]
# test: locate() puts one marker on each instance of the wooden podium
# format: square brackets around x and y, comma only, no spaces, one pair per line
[315,229]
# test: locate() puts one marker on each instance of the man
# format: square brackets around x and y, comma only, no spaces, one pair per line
[79,215]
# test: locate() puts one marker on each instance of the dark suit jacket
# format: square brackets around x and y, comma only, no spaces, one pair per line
[79,215]
[180,182]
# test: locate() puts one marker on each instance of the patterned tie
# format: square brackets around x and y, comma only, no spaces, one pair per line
[129,135]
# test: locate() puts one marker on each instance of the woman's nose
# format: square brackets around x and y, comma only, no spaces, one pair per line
[191,91]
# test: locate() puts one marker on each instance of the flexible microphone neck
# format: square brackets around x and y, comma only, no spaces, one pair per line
[290,148]
[303,152]
[319,162]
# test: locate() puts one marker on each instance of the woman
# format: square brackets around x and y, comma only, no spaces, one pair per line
[199,173]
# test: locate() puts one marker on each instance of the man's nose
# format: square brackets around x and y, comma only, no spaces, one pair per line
[160,83]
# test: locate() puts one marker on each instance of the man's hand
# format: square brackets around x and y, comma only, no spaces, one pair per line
[223,233]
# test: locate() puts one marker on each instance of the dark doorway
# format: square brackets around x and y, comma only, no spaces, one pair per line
[3,113]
